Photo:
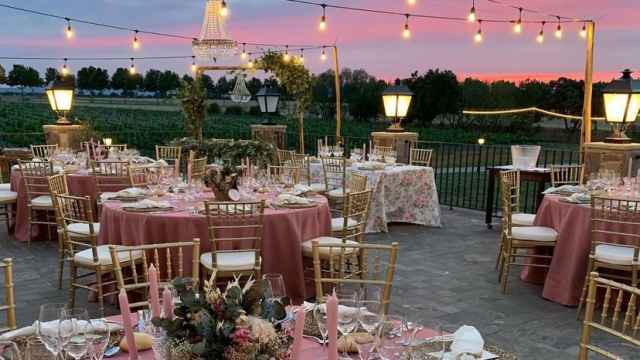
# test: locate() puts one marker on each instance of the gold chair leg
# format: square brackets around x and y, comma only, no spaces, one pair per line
[61,260]
[506,263]
[100,291]
[30,230]
[583,294]
[73,273]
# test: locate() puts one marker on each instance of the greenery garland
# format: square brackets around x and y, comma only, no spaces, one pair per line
[228,151]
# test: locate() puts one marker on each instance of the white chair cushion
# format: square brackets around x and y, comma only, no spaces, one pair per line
[340,192]
[534,233]
[317,187]
[85,257]
[230,261]
[83,229]
[44,200]
[307,246]
[613,254]
[522,219]
[5,187]
[8,196]
[338,223]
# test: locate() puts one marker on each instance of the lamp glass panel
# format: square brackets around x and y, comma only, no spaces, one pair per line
[52,100]
[262,103]
[272,103]
[60,100]
[634,107]
[390,103]
[403,105]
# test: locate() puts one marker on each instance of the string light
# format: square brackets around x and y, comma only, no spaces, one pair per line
[136,42]
[301,59]
[224,10]
[517,27]
[540,37]
[286,57]
[323,19]
[406,33]
[132,69]
[65,70]
[478,37]
[244,51]
[558,32]
[583,31]
[68,30]
[411,2]
[250,64]
[472,13]
[323,55]
[194,66]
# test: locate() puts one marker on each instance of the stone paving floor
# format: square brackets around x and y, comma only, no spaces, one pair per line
[445,275]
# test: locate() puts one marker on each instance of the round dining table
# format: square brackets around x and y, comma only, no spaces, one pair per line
[284,230]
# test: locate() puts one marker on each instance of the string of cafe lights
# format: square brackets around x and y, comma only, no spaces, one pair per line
[136,42]
[472,16]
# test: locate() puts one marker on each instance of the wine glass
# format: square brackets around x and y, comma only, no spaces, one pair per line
[320,314]
[47,327]
[74,329]
[9,351]
[276,290]
[348,313]
[98,339]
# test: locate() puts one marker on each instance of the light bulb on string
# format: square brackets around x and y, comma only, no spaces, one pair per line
[250,64]
[194,66]
[286,57]
[406,33]
[301,58]
[224,10]
[558,32]
[323,55]
[136,43]
[478,36]
[472,13]
[583,31]
[540,37]
[65,69]
[517,26]
[132,68]
[68,31]
[411,2]
[322,26]
[243,55]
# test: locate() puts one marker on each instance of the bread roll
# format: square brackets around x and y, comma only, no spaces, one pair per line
[143,342]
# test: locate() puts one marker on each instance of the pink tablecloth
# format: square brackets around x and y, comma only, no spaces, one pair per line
[283,233]
[79,184]
[566,275]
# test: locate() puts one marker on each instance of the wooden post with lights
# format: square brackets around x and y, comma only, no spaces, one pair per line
[338,94]
[585,137]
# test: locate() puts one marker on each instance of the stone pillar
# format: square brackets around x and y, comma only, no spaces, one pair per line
[615,157]
[66,136]
[402,142]
[272,134]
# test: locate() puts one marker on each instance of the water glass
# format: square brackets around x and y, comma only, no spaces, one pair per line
[98,339]
[75,334]
[276,290]
[348,312]
[320,314]
[47,327]
[370,315]
[9,351]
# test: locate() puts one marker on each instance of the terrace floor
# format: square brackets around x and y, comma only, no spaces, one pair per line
[443,273]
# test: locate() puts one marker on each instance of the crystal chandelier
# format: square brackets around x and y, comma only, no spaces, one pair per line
[213,42]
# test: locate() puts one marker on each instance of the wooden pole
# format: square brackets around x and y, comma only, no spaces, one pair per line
[338,95]
[585,137]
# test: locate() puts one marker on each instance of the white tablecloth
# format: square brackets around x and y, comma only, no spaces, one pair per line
[404,193]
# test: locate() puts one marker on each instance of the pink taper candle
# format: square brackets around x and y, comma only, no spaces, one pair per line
[332,325]
[126,324]
[296,348]
[154,292]
[167,303]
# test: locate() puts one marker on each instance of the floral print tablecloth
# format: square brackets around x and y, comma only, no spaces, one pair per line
[403,193]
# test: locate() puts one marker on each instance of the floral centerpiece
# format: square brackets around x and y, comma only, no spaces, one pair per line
[236,324]
[221,180]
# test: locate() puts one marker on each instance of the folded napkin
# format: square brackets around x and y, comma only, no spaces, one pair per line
[344,310]
[31,330]
[565,189]
[466,340]
[289,199]
[148,204]
[301,189]
[372,165]
[129,192]
[578,198]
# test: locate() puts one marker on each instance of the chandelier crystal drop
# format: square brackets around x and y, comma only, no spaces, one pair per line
[213,42]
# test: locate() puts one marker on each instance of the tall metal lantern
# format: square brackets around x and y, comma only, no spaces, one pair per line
[621,106]
[396,100]
[60,95]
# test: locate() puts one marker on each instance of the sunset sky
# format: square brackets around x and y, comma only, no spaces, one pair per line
[368,41]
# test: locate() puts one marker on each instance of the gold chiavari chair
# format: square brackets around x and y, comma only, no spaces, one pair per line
[623,326]
[35,175]
[358,182]
[302,162]
[335,176]
[110,176]
[353,223]
[139,176]
[287,175]
[516,238]
[420,157]
[615,241]
[285,157]
[513,179]
[170,154]
[9,306]
[355,264]
[232,225]
[43,151]
[197,167]
[5,174]
[116,147]
[567,175]
[58,186]
[81,237]
[169,259]
[8,198]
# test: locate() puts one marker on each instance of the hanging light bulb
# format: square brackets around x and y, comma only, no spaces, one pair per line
[68,31]
[517,26]
[472,13]
[406,33]
[243,55]
[286,57]
[558,32]
[224,10]
[583,31]
[194,66]
[132,68]
[322,26]
[65,69]
[411,2]
[301,59]
[136,43]
[323,55]
[250,64]
[540,37]
[478,37]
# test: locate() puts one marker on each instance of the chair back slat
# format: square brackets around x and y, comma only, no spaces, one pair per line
[335,172]
[77,210]
[567,175]
[285,157]
[9,307]
[111,176]
[420,157]
[287,175]
[358,182]
[35,175]
[356,215]
[197,167]
[615,221]
[44,151]
[623,324]
[301,161]
[170,154]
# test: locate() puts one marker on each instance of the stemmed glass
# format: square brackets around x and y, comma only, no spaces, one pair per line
[276,291]
[74,329]
[9,351]
[98,339]
[47,327]
[348,313]
[320,314]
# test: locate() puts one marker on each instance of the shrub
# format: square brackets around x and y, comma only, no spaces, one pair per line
[214,109]
[255,111]
[234,110]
